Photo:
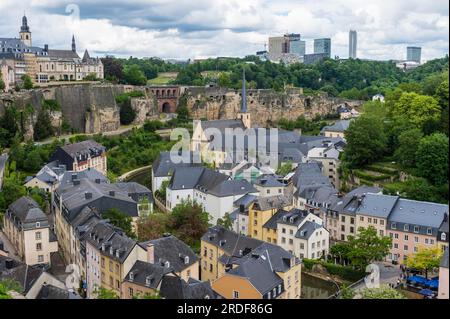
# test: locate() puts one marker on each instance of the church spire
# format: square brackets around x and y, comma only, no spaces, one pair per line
[74,46]
[244,94]
[24,27]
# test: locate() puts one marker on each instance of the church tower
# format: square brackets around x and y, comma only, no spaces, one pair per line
[74,46]
[243,115]
[25,34]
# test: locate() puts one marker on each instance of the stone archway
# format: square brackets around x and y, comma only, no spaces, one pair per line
[166,108]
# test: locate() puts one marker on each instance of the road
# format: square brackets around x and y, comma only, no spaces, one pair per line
[389,274]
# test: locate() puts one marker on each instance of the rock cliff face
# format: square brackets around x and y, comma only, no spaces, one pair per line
[265,106]
[92,108]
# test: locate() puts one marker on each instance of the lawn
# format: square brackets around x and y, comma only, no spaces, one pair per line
[163,78]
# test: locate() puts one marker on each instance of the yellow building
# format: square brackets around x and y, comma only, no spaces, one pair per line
[241,267]
[262,210]
[117,257]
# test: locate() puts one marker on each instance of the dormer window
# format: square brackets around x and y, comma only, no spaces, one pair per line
[186,260]
[167,264]
[406,227]
[443,237]
[148,281]
[429,231]
[394,225]
[131,276]
[111,251]
[416,229]
[38,224]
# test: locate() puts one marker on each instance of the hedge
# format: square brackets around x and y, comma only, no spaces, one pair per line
[384,170]
[370,177]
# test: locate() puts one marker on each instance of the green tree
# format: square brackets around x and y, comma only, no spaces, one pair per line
[285,168]
[8,285]
[161,192]
[418,109]
[103,293]
[9,127]
[425,259]
[153,226]
[27,83]
[432,158]
[408,145]
[347,293]
[33,161]
[189,222]
[121,220]
[127,113]
[224,80]
[367,247]
[366,141]
[183,113]
[2,84]
[225,222]
[384,292]
[134,76]
[43,127]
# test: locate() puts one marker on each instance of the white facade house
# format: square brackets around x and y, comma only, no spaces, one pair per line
[212,190]
[303,234]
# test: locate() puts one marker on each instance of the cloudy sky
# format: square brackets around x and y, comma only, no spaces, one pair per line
[202,28]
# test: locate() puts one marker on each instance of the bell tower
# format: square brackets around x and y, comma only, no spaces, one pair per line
[25,34]
[243,115]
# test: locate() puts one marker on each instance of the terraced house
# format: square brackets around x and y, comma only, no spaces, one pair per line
[240,267]
[80,156]
[28,229]
[72,197]
[213,190]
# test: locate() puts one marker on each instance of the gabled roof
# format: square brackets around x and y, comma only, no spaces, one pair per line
[89,147]
[27,210]
[272,202]
[90,173]
[418,213]
[164,165]
[174,251]
[222,124]
[232,188]
[268,181]
[339,126]
[52,292]
[63,54]
[25,275]
[174,287]
[377,205]
[230,242]
[141,270]
[307,229]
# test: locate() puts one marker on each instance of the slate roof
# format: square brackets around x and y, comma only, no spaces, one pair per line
[309,174]
[273,221]
[272,202]
[339,126]
[232,188]
[174,251]
[268,181]
[230,242]
[174,287]
[25,275]
[27,210]
[307,230]
[142,270]
[63,54]
[104,196]
[222,124]
[260,267]
[377,205]
[318,194]
[52,292]
[418,213]
[294,217]
[120,244]
[135,190]
[164,166]
[245,200]
[91,174]
[88,147]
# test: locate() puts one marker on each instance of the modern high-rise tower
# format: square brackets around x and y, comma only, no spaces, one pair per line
[414,54]
[323,46]
[352,44]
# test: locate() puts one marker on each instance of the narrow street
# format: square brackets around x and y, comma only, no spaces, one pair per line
[8,246]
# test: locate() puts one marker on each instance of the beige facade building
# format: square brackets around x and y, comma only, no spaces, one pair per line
[28,229]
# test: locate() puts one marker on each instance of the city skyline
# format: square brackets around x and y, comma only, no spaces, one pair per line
[185,30]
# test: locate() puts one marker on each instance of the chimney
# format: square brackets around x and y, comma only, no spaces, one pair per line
[45,47]
[112,193]
[88,195]
[97,180]
[76,182]
[74,176]
[151,253]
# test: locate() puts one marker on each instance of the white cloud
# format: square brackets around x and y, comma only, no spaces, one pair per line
[186,28]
